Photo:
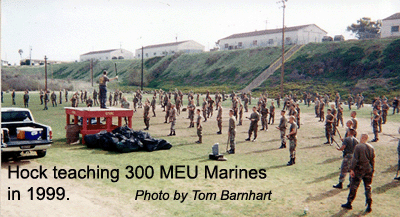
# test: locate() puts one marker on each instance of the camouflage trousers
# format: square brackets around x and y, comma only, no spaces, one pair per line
[328,134]
[253,128]
[219,122]
[200,132]
[173,125]
[264,122]
[355,182]
[283,136]
[345,168]
[292,147]
[146,122]
[232,141]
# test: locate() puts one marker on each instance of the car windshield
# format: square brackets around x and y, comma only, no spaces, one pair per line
[15,116]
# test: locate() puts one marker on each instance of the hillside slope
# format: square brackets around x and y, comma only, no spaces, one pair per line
[370,66]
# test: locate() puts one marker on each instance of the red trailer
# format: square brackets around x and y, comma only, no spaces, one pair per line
[87,113]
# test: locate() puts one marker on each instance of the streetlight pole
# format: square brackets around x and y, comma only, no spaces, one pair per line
[141,83]
[283,45]
[45,73]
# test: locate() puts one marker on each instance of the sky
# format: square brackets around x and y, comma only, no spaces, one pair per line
[64,29]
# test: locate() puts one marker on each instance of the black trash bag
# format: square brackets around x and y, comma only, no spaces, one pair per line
[108,142]
[120,137]
[164,145]
[150,144]
[92,141]
[128,145]
[141,135]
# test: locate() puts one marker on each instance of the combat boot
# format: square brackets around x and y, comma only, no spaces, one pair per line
[369,204]
[290,163]
[283,145]
[397,178]
[248,139]
[231,151]
[347,205]
[338,186]
[294,160]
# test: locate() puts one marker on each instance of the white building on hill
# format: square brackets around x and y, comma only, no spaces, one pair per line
[273,37]
[169,49]
[390,26]
[107,55]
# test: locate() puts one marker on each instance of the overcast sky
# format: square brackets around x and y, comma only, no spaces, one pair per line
[64,29]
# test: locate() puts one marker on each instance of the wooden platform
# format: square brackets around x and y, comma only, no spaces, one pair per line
[96,112]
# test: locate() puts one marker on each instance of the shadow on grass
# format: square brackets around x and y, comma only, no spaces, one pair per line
[262,151]
[324,195]
[361,213]
[391,169]
[323,178]
[342,212]
[331,160]
[276,167]
[311,147]
[386,187]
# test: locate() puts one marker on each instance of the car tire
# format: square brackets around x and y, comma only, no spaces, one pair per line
[41,153]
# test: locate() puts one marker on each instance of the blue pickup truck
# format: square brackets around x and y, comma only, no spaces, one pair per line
[14,123]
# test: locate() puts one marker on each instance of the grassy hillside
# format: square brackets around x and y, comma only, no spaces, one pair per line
[225,69]
[370,66]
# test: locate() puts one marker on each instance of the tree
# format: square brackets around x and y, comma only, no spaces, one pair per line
[365,28]
[20,51]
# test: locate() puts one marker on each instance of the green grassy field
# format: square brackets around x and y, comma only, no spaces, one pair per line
[308,184]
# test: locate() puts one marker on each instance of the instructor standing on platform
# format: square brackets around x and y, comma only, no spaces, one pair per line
[103,89]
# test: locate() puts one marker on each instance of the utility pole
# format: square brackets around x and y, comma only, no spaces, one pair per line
[91,70]
[45,73]
[141,83]
[30,55]
[283,44]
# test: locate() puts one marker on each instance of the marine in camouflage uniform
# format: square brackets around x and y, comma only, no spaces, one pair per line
[53,99]
[89,102]
[153,106]
[191,107]
[246,103]
[167,110]
[219,118]
[350,101]
[60,96]
[146,115]
[95,101]
[292,136]
[271,113]
[135,102]
[348,145]
[375,123]
[124,104]
[205,109]
[298,116]
[264,116]
[339,115]
[240,111]
[66,96]
[254,118]
[232,132]
[385,109]
[41,97]
[361,168]
[282,128]
[337,100]
[110,99]
[26,99]
[328,127]
[172,120]
[178,104]
[321,111]
[316,107]
[199,127]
